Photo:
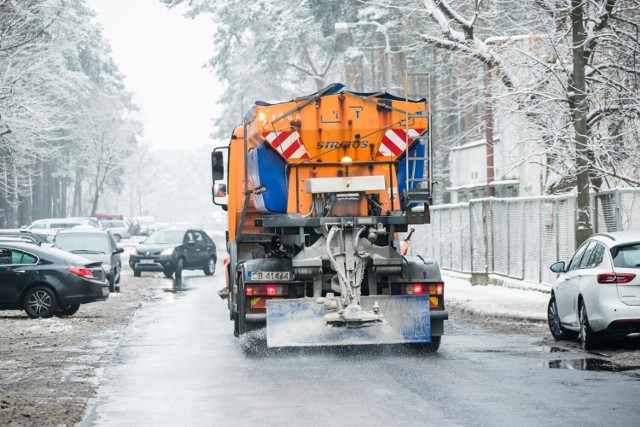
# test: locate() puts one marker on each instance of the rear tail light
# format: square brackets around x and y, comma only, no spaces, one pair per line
[615,277]
[436,289]
[82,272]
[269,290]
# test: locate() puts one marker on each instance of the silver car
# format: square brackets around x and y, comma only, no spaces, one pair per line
[119,229]
[598,293]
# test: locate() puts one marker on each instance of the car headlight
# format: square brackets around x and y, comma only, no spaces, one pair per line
[167,252]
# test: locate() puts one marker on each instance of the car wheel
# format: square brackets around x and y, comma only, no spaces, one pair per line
[168,273]
[588,338]
[558,332]
[40,301]
[210,268]
[136,273]
[117,237]
[69,310]
[179,267]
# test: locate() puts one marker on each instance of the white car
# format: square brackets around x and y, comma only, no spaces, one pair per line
[50,226]
[119,229]
[598,293]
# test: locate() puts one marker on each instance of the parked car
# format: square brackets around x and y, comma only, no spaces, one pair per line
[598,293]
[46,281]
[95,244]
[172,250]
[146,225]
[119,229]
[50,226]
[29,235]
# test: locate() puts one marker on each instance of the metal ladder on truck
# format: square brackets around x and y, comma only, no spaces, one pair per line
[419,189]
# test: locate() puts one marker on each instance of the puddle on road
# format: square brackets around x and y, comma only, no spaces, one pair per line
[168,290]
[588,364]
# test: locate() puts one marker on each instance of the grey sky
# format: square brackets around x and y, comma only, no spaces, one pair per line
[162,54]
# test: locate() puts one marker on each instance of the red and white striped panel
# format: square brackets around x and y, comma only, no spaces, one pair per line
[287,143]
[394,141]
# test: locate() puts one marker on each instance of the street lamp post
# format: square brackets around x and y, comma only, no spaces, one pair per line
[344,27]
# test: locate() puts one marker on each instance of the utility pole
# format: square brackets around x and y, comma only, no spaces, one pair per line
[578,103]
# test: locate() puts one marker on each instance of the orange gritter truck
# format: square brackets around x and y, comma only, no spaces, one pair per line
[317,191]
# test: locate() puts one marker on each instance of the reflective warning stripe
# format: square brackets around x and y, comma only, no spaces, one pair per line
[394,141]
[287,143]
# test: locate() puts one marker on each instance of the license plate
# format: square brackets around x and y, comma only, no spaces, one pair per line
[146,261]
[269,275]
[105,291]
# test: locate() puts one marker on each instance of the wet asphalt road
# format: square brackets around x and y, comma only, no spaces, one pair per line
[180,365]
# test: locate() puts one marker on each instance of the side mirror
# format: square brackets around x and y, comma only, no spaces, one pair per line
[217,165]
[118,250]
[558,267]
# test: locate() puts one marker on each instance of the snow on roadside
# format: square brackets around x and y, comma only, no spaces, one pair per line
[492,300]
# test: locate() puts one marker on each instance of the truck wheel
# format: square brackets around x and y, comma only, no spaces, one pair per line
[240,317]
[431,347]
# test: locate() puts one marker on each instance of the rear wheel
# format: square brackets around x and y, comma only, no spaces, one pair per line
[210,267]
[40,301]
[240,316]
[558,332]
[588,338]
[179,267]
[69,310]
[431,347]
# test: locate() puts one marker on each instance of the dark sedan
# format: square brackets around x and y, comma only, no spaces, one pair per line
[173,250]
[46,281]
[29,235]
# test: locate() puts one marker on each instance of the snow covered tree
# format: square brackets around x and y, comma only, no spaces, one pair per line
[52,61]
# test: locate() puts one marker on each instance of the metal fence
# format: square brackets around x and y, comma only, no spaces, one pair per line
[518,238]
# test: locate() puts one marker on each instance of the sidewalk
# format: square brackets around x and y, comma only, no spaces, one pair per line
[526,302]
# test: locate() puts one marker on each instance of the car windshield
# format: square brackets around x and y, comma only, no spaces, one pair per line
[626,256]
[166,236]
[84,243]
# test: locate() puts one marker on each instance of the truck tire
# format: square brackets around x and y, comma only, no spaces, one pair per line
[431,347]
[240,316]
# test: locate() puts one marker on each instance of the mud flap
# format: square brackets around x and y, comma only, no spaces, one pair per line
[300,323]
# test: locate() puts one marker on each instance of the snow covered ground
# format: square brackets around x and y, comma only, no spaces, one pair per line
[520,301]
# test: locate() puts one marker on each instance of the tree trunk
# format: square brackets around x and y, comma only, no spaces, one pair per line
[578,90]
